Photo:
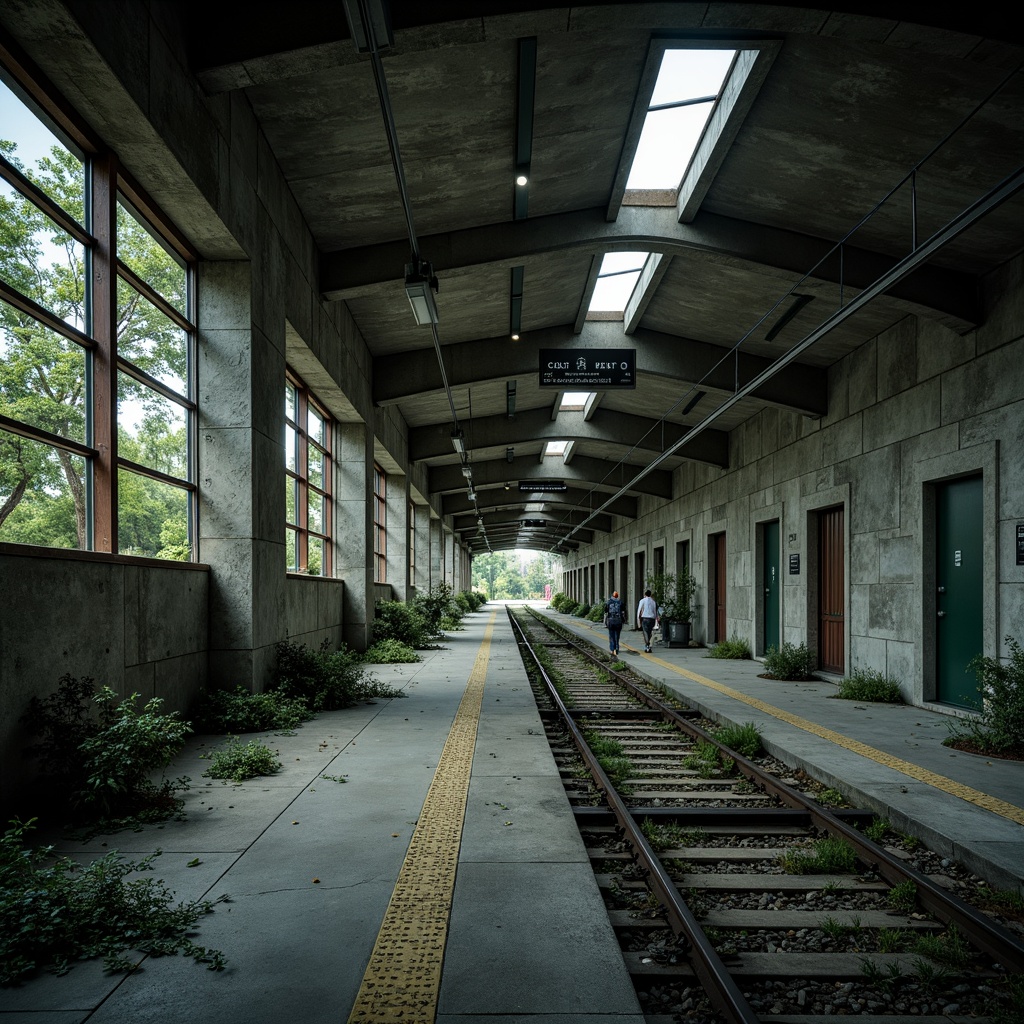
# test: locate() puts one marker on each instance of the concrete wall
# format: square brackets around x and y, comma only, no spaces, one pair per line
[911,407]
[132,626]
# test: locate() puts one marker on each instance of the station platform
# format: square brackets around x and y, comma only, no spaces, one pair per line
[340,890]
[888,758]
[416,860]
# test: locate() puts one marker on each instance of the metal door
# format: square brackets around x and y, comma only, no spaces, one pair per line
[718,554]
[958,577]
[831,592]
[772,582]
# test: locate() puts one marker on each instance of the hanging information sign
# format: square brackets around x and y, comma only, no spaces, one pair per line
[587,369]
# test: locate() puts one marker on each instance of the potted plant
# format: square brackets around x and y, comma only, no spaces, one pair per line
[674,594]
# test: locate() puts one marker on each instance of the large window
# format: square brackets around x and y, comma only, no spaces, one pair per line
[308,476]
[411,546]
[97,404]
[380,522]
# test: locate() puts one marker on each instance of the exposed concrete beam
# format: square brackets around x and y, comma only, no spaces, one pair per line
[950,296]
[600,523]
[575,498]
[513,533]
[614,428]
[405,374]
[442,479]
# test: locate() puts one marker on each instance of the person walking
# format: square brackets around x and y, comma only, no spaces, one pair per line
[647,618]
[614,614]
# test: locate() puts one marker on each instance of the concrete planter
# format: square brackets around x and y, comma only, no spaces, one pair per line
[678,634]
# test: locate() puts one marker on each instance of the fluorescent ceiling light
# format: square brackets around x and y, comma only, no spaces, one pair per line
[420,285]
[459,442]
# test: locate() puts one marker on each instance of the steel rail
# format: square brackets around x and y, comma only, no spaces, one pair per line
[718,982]
[990,937]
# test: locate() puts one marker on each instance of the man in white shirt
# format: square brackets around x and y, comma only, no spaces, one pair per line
[647,617]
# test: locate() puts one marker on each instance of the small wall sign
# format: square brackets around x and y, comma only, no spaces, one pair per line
[1020,543]
[794,565]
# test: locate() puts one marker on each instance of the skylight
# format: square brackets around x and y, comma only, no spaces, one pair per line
[616,280]
[674,123]
[555,448]
[572,400]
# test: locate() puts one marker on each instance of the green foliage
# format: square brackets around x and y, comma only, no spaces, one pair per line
[569,606]
[404,623]
[831,798]
[237,711]
[463,602]
[390,652]
[239,761]
[707,760]
[902,897]
[323,679]
[55,911]
[473,599]
[582,610]
[433,607]
[790,661]
[866,684]
[998,727]
[596,613]
[667,835]
[949,949]
[828,856]
[104,757]
[673,593]
[744,739]
[877,829]
[557,600]
[735,647]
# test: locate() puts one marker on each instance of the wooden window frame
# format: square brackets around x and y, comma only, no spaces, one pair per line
[105,183]
[380,524]
[305,401]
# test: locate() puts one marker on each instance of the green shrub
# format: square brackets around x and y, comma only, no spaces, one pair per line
[390,652]
[868,684]
[744,739]
[569,606]
[432,608]
[582,610]
[596,613]
[396,620]
[55,911]
[828,856]
[239,761]
[999,725]
[237,711]
[557,600]
[463,602]
[322,679]
[105,764]
[735,647]
[790,661]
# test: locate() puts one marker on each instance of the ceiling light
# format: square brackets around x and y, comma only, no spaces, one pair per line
[420,285]
[459,442]
[508,486]
[471,494]
[510,454]
[467,472]
[515,337]
[521,179]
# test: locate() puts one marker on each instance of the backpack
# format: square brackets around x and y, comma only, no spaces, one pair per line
[614,612]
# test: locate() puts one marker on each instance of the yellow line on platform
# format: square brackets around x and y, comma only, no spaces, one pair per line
[947,785]
[403,978]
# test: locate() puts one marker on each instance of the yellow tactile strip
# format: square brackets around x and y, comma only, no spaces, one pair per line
[974,796]
[403,977]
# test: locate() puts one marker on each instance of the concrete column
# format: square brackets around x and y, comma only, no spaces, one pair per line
[397,499]
[240,450]
[436,562]
[422,539]
[353,530]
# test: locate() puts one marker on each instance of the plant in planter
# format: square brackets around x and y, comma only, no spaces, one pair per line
[674,595]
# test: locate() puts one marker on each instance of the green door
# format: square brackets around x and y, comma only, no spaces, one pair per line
[958,578]
[772,582]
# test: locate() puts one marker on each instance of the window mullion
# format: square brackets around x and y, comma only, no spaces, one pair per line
[103,406]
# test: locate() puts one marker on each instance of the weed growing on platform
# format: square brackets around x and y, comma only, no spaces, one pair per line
[735,648]
[239,761]
[226,711]
[102,752]
[792,662]
[866,684]
[55,911]
[403,623]
[998,727]
[323,679]
[828,856]
[390,652]
[744,739]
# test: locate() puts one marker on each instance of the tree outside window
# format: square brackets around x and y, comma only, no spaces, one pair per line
[308,475]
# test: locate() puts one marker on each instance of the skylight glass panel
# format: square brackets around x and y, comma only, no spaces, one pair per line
[555,448]
[574,400]
[670,135]
[616,280]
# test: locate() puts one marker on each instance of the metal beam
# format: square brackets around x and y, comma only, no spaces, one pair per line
[442,479]
[934,292]
[573,499]
[600,523]
[803,389]
[612,428]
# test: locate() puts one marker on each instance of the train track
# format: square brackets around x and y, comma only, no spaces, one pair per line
[736,895]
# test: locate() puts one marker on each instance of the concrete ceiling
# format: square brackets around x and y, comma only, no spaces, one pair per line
[844,103]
